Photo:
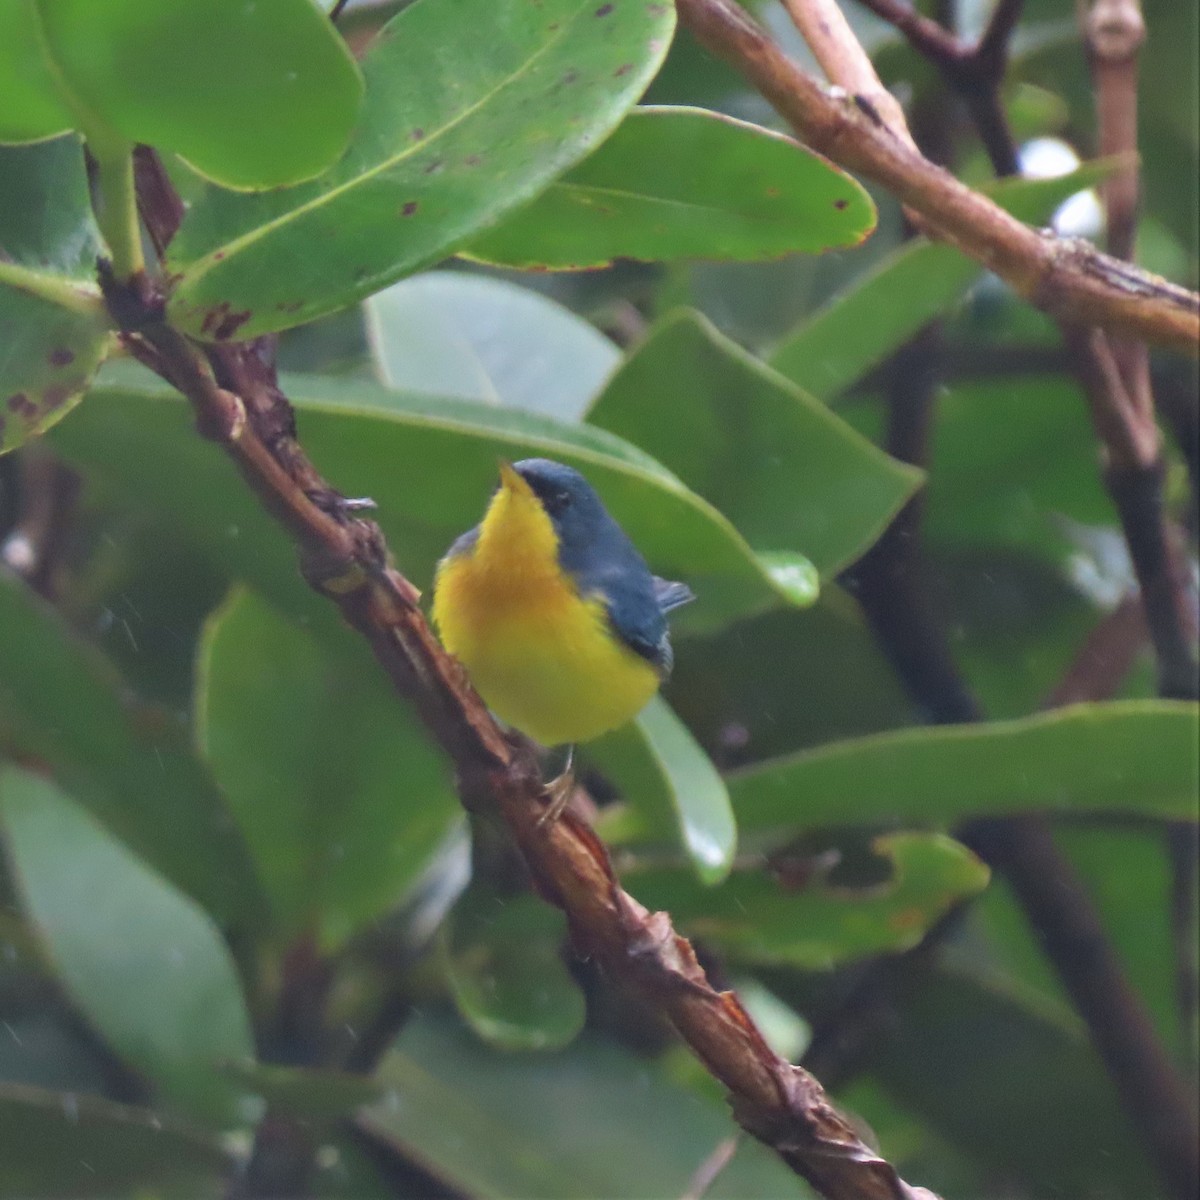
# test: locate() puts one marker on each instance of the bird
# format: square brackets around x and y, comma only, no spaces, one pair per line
[553,613]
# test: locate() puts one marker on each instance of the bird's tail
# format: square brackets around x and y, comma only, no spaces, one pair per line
[671,595]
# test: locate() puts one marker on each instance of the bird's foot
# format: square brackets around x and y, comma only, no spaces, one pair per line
[557,793]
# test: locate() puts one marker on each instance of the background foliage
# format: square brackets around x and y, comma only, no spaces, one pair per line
[236,880]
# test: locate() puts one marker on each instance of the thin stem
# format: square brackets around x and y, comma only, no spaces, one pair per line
[117,213]
[844,61]
[80,298]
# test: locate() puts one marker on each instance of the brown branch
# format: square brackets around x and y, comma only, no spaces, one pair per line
[1067,278]
[975,72]
[35,545]
[1113,32]
[238,406]
[1054,899]
[1113,373]
[844,61]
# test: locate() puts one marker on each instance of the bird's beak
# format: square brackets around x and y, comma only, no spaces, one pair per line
[511,481]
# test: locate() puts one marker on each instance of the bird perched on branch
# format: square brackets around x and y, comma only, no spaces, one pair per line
[551,609]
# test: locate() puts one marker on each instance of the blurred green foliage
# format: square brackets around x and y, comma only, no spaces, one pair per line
[236,880]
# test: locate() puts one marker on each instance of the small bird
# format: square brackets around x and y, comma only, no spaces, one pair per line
[551,609]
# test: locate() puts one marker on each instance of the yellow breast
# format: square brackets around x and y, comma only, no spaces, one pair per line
[543,658]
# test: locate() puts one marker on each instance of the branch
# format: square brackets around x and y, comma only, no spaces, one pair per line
[845,62]
[1114,374]
[1067,278]
[238,406]
[1053,897]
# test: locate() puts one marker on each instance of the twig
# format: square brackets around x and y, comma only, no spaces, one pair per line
[1067,278]
[973,71]
[1113,373]
[707,1172]
[1152,1092]
[1113,32]
[1105,658]
[238,406]
[34,545]
[844,61]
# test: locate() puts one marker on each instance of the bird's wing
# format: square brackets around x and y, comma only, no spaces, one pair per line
[636,618]
[671,595]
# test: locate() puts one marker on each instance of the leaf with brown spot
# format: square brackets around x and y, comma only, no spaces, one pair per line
[535,101]
[53,328]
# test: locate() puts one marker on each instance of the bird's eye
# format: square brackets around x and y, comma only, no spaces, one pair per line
[556,502]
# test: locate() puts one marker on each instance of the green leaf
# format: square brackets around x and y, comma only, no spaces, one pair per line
[500,1125]
[59,1145]
[875,316]
[503,961]
[31,105]
[1135,756]
[53,325]
[251,95]
[684,183]
[451,334]
[787,472]
[756,917]
[142,962]
[447,143]
[130,765]
[46,220]
[672,788]
[137,432]
[341,797]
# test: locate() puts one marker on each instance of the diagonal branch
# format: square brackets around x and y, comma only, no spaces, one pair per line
[1067,278]
[238,406]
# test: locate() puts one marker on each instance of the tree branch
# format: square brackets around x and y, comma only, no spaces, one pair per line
[1067,278]
[238,406]
[889,577]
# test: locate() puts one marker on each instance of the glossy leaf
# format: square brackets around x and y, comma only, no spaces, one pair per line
[431,466]
[875,316]
[59,1145]
[503,961]
[129,765]
[671,787]
[341,797]
[1135,757]
[53,326]
[495,1124]
[452,334]
[789,474]
[758,918]
[142,962]
[447,143]
[684,183]
[252,95]
[31,106]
